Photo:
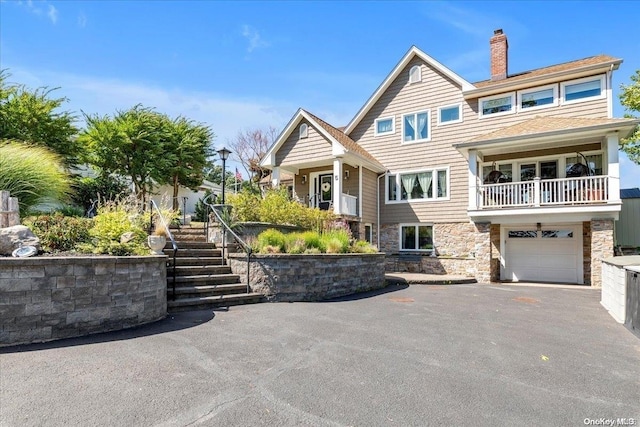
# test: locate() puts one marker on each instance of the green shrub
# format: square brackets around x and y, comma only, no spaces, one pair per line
[112,221]
[71,210]
[277,207]
[32,174]
[336,241]
[294,243]
[362,247]
[58,232]
[271,237]
[245,206]
[312,240]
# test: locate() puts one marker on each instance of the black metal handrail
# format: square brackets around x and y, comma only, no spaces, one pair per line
[226,228]
[174,245]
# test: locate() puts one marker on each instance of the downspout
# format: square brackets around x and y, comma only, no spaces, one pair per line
[378,206]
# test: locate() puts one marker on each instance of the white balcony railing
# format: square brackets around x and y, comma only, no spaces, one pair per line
[548,192]
[349,205]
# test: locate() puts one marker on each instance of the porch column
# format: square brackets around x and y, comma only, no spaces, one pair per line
[613,167]
[473,180]
[337,185]
[360,191]
[275,176]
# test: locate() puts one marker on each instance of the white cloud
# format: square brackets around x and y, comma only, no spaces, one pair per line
[254,38]
[82,20]
[53,14]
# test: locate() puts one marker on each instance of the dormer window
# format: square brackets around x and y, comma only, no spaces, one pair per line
[415,74]
[304,130]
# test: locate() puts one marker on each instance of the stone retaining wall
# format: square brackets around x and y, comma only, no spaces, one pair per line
[432,265]
[48,298]
[282,277]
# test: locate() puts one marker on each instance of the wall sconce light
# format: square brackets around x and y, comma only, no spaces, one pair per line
[304,179]
[346,174]
[538,226]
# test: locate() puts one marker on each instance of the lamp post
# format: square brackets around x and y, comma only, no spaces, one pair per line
[224,155]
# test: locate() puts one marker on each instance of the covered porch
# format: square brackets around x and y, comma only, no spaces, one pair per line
[546,164]
[330,171]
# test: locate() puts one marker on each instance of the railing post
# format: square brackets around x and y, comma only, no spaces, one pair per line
[536,191]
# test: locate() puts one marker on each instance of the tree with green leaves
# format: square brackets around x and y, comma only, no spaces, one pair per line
[630,99]
[188,145]
[132,143]
[35,117]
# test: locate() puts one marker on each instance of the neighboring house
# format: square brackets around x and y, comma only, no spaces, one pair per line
[285,180]
[628,227]
[187,198]
[511,178]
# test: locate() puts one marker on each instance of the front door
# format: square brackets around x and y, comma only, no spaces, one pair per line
[325,191]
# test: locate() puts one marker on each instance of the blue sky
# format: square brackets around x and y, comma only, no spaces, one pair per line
[241,65]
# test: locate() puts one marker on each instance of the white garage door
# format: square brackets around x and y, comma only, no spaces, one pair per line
[553,254]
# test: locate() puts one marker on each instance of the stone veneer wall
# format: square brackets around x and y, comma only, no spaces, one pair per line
[601,247]
[462,249]
[48,298]
[283,277]
[586,252]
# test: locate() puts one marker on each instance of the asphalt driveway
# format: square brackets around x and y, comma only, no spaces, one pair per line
[421,355]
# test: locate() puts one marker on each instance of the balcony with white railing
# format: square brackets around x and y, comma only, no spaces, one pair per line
[587,190]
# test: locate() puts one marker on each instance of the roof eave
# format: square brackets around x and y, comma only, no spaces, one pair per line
[628,125]
[545,78]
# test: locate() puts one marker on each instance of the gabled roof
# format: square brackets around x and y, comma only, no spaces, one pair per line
[348,143]
[588,65]
[333,134]
[550,124]
[413,52]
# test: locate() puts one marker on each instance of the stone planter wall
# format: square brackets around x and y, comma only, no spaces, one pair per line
[281,277]
[48,298]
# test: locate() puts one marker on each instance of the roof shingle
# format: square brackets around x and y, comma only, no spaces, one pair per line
[544,124]
[538,72]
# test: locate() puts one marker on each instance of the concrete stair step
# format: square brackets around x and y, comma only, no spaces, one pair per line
[196,260]
[204,279]
[201,303]
[201,291]
[188,252]
[190,244]
[196,270]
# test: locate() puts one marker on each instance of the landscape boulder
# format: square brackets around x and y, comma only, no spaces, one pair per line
[12,238]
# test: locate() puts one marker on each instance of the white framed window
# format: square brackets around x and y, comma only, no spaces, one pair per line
[536,98]
[304,130]
[416,237]
[425,185]
[415,74]
[496,105]
[583,89]
[385,126]
[416,127]
[450,114]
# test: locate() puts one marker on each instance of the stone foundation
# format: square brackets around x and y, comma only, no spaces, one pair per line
[48,298]
[283,277]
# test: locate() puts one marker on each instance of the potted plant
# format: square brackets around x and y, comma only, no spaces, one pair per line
[158,239]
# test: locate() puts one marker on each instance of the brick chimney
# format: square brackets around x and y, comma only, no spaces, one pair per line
[499,57]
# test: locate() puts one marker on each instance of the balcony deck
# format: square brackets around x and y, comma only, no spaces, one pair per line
[587,190]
